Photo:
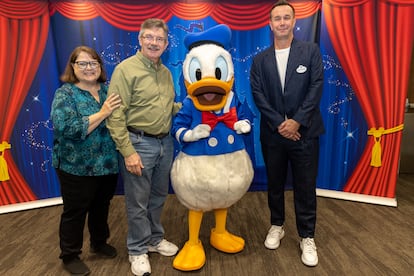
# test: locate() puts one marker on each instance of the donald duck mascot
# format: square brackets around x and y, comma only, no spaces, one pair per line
[213,170]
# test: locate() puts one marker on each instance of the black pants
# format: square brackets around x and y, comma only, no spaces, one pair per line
[82,196]
[303,156]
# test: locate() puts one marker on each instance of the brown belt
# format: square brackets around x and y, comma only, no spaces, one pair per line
[143,133]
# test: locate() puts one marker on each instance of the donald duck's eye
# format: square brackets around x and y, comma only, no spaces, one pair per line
[222,69]
[218,73]
[198,74]
[194,70]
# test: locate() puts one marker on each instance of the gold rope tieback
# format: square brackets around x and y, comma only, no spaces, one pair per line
[376,149]
[4,172]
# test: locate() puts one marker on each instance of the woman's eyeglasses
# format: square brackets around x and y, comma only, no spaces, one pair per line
[83,64]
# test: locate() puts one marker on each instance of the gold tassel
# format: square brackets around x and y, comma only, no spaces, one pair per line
[4,172]
[376,153]
[376,159]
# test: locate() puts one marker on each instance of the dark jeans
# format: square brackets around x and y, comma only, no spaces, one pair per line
[303,158]
[84,195]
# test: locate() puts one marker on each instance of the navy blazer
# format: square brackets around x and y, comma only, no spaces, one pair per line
[302,94]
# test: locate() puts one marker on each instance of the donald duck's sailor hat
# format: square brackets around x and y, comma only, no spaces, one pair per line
[219,35]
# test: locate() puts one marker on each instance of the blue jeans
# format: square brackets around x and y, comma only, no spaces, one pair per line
[145,195]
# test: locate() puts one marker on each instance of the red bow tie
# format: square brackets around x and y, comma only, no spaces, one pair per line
[212,119]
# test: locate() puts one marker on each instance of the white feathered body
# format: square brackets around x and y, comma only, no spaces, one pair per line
[209,182]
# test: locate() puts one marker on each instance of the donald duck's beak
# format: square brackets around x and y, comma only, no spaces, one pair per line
[209,94]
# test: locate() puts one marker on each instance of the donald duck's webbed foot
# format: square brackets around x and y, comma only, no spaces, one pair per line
[226,242]
[190,257]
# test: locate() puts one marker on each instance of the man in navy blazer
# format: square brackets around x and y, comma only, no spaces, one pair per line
[286,82]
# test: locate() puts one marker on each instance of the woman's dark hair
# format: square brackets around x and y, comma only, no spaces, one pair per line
[69,74]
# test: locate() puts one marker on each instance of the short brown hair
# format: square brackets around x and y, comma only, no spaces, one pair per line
[69,74]
[281,3]
[154,23]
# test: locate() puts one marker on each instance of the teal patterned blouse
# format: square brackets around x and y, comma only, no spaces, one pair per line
[75,151]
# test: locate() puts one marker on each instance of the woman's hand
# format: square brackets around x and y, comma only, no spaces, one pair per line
[112,102]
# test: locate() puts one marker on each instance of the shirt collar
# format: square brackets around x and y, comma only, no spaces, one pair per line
[147,62]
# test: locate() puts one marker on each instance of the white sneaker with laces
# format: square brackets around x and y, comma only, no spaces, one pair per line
[164,247]
[309,254]
[275,234]
[140,265]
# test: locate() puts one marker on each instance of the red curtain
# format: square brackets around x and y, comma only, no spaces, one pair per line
[373,41]
[23,33]
[129,16]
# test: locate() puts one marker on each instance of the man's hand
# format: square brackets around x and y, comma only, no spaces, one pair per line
[134,164]
[289,130]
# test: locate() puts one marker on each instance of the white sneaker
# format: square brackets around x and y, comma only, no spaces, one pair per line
[275,234]
[140,265]
[165,248]
[309,254]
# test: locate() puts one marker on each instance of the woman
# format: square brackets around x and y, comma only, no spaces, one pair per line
[84,156]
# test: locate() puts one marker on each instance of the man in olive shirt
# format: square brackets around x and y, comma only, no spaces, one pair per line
[140,129]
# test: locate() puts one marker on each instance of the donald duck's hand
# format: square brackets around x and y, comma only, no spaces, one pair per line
[242,126]
[197,133]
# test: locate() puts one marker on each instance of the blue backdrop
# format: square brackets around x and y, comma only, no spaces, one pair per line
[32,137]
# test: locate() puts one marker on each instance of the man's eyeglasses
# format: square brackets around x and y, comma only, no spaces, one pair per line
[150,38]
[83,64]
